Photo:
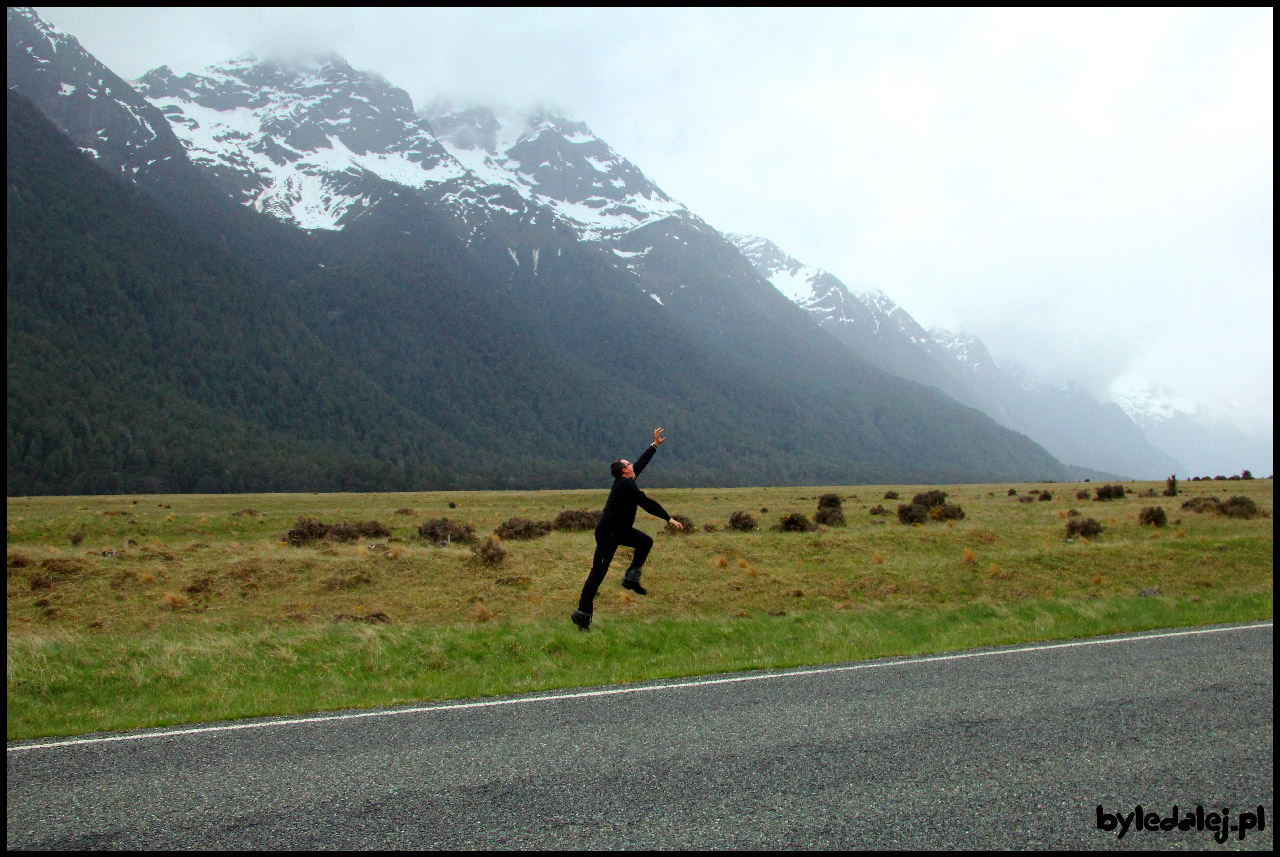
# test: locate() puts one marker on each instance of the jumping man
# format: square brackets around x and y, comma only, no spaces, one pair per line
[617,527]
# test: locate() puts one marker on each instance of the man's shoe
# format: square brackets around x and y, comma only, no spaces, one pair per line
[582,620]
[632,581]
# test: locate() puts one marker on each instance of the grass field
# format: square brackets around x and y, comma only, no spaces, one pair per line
[125,612]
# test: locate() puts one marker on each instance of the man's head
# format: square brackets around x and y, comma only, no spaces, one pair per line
[622,467]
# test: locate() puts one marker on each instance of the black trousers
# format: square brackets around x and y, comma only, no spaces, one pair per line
[605,548]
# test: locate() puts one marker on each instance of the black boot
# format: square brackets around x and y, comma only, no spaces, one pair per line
[582,620]
[631,580]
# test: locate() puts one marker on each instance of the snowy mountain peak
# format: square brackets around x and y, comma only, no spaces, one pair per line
[1147,404]
[557,163]
[307,141]
[103,114]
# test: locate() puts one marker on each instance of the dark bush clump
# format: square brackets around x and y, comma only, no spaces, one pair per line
[309,530]
[829,517]
[523,529]
[891,495]
[345,532]
[1110,492]
[742,522]
[1203,504]
[445,531]
[306,531]
[829,501]
[912,513]
[571,520]
[1013,492]
[1086,527]
[795,522]
[877,509]
[1239,507]
[930,498]
[1045,497]
[946,512]
[1153,515]
[489,553]
[1082,495]
[1171,486]
[688,526]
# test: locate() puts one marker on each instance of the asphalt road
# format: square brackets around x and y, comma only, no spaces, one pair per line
[1005,748]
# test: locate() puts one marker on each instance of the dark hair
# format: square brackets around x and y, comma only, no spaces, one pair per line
[616,468]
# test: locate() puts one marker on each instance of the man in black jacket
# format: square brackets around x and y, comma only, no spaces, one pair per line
[617,528]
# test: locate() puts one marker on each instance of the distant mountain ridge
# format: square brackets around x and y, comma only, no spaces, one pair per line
[1066,420]
[511,284]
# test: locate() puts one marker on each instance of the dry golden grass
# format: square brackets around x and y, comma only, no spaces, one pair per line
[143,562]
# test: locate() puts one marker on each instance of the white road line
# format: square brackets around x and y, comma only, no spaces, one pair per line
[617,691]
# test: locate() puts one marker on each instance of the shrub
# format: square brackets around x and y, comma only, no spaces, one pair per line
[1086,527]
[877,509]
[1013,492]
[523,529]
[443,530]
[743,522]
[489,553]
[796,522]
[308,530]
[688,526]
[345,532]
[891,495]
[1171,486]
[1239,507]
[829,501]
[1203,504]
[930,498]
[1045,497]
[305,531]
[829,517]
[947,512]
[912,513]
[1082,495]
[571,520]
[1110,492]
[1153,515]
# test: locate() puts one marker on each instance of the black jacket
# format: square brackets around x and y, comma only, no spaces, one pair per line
[619,513]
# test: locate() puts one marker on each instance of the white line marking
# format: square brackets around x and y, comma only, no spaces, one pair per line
[617,691]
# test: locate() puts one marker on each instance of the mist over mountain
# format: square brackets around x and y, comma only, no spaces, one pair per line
[517,298]
[1144,434]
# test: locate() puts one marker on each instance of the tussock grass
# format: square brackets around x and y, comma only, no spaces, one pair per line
[137,611]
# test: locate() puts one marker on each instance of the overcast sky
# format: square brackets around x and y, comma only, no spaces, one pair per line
[1090,192]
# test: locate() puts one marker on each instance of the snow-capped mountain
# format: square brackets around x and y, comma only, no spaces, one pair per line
[559,230]
[872,325]
[556,163]
[1066,420]
[103,114]
[310,145]
[1208,444]
[1148,405]
[317,144]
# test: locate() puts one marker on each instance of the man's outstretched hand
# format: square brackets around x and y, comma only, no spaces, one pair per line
[673,522]
[657,437]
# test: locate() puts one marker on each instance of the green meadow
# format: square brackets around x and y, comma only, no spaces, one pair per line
[140,611]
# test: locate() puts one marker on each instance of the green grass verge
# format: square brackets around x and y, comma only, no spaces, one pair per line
[66,684]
